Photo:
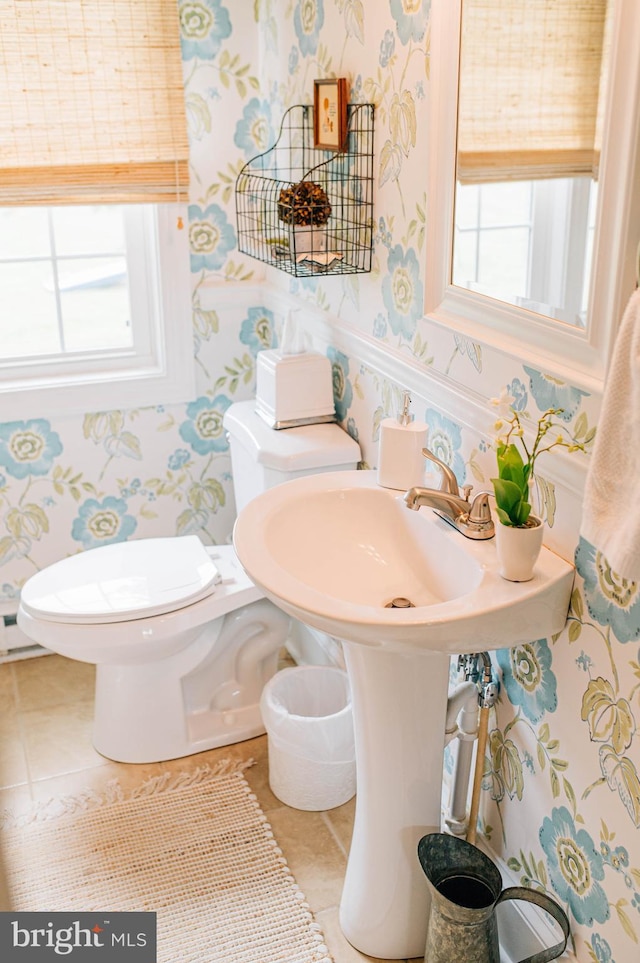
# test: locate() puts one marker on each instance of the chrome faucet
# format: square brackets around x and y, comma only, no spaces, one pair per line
[448,482]
[471,518]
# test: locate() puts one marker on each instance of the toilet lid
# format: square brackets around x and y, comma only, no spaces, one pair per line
[126,580]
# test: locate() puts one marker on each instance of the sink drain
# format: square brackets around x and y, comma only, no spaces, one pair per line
[400,603]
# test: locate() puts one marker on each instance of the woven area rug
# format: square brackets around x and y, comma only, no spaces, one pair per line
[194,847]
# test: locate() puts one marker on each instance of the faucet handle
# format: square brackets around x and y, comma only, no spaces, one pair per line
[479,519]
[449,482]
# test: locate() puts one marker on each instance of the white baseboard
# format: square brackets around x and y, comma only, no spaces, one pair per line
[523,928]
[14,644]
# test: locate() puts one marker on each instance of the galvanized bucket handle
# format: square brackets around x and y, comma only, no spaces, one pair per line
[552,908]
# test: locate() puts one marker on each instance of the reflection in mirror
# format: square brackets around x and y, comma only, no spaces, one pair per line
[531,92]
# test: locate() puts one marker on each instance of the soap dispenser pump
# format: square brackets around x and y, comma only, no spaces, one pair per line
[400,458]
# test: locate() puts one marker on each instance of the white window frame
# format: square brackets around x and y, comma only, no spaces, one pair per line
[577,355]
[158,369]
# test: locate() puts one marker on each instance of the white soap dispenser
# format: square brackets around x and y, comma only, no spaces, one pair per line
[400,459]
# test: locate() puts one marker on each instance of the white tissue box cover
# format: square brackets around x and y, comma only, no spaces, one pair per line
[294,387]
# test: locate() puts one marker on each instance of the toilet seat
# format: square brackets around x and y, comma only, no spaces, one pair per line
[123,581]
[133,639]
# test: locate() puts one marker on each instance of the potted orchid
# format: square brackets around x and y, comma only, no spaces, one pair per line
[519,532]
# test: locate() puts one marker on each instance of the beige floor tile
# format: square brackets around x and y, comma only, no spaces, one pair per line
[53,681]
[313,856]
[258,779]
[255,749]
[13,761]
[258,776]
[130,775]
[58,740]
[7,690]
[341,821]
[13,764]
[15,799]
[94,779]
[341,950]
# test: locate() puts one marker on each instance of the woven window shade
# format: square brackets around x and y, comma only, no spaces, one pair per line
[91,102]
[530,88]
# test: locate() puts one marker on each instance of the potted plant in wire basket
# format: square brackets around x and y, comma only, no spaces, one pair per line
[519,532]
[306,209]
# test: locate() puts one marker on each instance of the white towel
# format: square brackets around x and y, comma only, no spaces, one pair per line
[611,511]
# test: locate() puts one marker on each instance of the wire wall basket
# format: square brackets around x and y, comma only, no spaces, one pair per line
[307,210]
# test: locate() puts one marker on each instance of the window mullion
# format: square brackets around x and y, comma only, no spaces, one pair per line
[56,280]
[578,246]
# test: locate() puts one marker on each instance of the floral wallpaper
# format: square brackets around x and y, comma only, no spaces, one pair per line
[561,787]
[78,483]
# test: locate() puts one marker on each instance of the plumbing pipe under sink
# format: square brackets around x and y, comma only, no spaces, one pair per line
[463,706]
[463,699]
[464,722]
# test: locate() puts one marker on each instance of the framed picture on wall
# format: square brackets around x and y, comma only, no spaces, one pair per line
[330,113]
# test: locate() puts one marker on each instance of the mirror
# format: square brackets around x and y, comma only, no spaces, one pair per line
[573,341]
[531,92]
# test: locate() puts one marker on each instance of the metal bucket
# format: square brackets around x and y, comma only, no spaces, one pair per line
[466,887]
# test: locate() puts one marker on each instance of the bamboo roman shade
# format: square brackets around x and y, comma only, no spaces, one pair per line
[91,102]
[530,88]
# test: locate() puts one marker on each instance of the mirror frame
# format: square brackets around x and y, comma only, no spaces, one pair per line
[572,354]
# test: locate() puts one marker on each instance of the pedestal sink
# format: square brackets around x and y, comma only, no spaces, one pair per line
[403,591]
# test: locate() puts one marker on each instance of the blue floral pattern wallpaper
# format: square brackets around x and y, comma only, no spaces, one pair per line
[561,781]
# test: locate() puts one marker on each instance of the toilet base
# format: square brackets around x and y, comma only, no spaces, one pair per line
[205,696]
[216,730]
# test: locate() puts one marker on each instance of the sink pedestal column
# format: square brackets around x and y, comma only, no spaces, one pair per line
[399,707]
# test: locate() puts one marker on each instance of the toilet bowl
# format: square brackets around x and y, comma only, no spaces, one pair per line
[182,640]
[178,670]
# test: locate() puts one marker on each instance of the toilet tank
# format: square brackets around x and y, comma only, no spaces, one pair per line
[262,457]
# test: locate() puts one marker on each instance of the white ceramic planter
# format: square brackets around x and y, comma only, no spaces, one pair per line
[518,549]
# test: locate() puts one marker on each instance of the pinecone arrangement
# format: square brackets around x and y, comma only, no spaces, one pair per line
[304,204]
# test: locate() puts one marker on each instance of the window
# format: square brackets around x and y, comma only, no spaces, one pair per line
[94,276]
[64,280]
[528,243]
[94,309]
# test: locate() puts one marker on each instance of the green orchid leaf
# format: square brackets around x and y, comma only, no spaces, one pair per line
[515,475]
[503,516]
[511,502]
[508,494]
[525,511]
[511,466]
[509,455]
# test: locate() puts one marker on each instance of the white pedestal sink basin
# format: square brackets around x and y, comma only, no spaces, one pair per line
[333,550]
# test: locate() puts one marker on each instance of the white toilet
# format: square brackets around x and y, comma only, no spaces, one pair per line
[182,640]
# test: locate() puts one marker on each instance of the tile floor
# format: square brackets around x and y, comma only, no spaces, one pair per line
[46,710]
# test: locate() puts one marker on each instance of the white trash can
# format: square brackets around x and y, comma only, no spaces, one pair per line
[307,713]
